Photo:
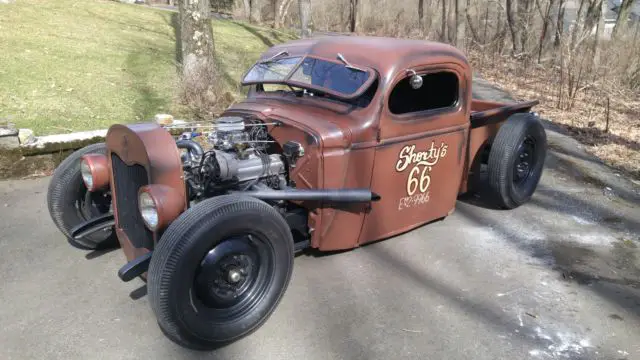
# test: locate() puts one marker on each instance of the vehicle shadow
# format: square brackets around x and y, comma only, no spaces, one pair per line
[138,293]
[488,313]
[265,40]
[610,272]
[99,252]
[175,24]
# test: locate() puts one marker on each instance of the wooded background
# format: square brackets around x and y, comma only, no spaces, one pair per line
[584,41]
[581,58]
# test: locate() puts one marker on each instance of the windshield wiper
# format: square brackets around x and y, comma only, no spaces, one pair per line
[274,57]
[348,65]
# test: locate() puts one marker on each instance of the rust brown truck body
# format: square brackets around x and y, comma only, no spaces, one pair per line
[360,139]
[354,147]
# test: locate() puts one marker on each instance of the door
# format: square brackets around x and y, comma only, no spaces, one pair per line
[421,154]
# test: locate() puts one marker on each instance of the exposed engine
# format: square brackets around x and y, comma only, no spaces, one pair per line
[241,155]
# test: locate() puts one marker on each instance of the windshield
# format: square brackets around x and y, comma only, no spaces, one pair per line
[275,70]
[311,73]
[329,75]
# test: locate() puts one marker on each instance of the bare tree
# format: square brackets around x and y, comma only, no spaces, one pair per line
[513,29]
[577,25]
[623,16]
[353,15]
[246,4]
[282,12]
[546,20]
[421,13]
[460,11]
[599,31]
[305,15]
[523,22]
[443,28]
[259,10]
[559,23]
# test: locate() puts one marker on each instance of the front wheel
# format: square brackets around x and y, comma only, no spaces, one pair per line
[70,204]
[516,160]
[219,271]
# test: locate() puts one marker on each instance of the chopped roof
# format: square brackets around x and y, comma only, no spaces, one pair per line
[385,55]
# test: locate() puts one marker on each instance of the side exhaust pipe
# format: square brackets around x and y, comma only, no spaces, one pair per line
[328,195]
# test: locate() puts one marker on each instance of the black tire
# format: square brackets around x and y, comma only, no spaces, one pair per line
[516,160]
[194,315]
[70,203]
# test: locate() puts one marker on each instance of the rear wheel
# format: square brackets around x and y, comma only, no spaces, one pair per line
[70,204]
[516,160]
[219,271]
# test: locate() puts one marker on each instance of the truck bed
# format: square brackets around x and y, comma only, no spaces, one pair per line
[489,112]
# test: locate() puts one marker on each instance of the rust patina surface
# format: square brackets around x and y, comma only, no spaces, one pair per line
[418,163]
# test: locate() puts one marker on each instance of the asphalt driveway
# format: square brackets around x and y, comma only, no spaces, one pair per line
[558,278]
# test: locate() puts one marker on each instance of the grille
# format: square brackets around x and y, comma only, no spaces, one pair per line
[127,181]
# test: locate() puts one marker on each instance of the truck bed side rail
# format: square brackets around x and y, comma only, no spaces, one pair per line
[496,112]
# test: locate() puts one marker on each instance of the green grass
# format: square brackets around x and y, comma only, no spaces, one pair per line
[69,65]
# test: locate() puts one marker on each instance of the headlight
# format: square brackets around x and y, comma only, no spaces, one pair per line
[148,210]
[87,177]
[94,169]
[159,205]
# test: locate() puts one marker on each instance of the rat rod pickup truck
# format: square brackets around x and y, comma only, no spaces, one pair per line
[341,141]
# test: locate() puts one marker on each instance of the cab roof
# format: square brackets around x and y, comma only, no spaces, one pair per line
[385,55]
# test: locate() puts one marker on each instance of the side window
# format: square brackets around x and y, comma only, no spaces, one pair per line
[439,91]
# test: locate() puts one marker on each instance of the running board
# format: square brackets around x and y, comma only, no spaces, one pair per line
[92,226]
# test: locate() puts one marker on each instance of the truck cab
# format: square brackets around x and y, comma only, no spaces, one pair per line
[393,115]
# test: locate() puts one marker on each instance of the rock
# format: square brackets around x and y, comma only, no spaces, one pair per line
[163,119]
[9,137]
[8,131]
[9,142]
[26,136]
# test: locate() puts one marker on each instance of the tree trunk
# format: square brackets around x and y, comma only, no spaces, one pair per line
[257,7]
[545,28]
[486,22]
[247,9]
[353,15]
[512,27]
[443,32]
[421,13]
[281,13]
[461,36]
[451,22]
[474,33]
[523,19]
[599,33]
[576,26]
[198,56]
[305,15]
[623,17]
[559,24]
[592,16]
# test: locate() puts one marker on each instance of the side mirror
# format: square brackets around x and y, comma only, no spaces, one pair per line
[416,80]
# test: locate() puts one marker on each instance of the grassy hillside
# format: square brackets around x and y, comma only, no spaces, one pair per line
[76,65]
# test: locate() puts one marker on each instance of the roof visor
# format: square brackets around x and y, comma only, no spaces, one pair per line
[334,77]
